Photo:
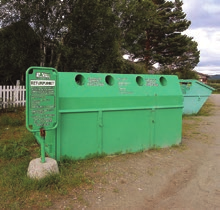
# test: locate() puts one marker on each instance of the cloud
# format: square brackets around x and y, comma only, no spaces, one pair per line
[205,29]
[210,70]
[202,13]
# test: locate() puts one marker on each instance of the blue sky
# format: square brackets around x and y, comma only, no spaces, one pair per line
[205,29]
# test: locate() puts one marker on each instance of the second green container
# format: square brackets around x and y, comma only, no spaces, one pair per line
[195,94]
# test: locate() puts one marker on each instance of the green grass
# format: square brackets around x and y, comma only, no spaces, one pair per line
[180,147]
[15,118]
[17,148]
[206,109]
[155,148]
[116,190]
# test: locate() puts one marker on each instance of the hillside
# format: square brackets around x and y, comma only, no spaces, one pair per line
[215,77]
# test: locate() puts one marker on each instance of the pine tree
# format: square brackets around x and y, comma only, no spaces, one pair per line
[189,58]
[160,40]
[183,65]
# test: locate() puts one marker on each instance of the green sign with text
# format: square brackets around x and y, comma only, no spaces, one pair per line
[41,98]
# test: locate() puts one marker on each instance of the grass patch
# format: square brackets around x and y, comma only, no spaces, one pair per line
[155,148]
[15,118]
[188,126]
[17,148]
[190,122]
[180,147]
[206,109]
[116,190]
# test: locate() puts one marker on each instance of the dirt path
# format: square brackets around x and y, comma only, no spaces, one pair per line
[197,187]
[185,177]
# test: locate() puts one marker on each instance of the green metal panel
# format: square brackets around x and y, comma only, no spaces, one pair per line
[126,131]
[167,127]
[115,113]
[195,95]
[78,137]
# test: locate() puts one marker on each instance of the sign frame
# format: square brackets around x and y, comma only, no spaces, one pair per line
[42,98]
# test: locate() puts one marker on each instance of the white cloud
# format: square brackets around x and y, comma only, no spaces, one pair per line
[210,70]
[208,39]
[211,7]
[205,29]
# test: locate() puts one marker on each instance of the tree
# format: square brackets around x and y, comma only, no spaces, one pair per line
[83,34]
[136,16]
[189,58]
[19,49]
[45,17]
[156,37]
[92,43]
[92,35]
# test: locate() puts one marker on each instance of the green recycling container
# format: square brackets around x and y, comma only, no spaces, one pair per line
[99,113]
[195,94]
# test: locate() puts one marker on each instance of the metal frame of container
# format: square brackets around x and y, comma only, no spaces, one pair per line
[113,113]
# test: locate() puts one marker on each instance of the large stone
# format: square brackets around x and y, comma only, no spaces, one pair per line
[38,170]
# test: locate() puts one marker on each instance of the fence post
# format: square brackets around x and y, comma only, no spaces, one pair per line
[1,97]
[4,95]
[16,93]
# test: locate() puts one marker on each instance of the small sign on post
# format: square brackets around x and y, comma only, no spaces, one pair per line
[41,102]
[41,98]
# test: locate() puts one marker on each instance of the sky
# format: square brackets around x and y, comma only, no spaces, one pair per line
[205,30]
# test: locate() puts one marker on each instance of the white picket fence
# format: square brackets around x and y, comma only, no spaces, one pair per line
[12,96]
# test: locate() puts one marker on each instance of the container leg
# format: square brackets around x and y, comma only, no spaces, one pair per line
[42,150]
[42,134]
[41,141]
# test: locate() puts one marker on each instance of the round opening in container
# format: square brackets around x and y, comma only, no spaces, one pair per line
[163,81]
[140,80]
[80,79]
[109,80]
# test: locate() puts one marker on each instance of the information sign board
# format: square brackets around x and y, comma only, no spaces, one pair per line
[41,98]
